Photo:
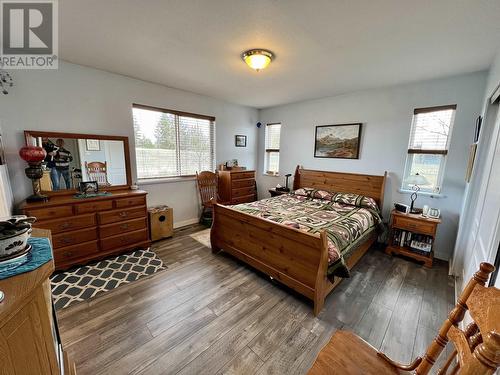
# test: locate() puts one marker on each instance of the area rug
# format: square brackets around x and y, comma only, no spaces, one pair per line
[202,237]
[82,283]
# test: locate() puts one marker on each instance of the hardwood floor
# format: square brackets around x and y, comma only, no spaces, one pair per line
[213,315]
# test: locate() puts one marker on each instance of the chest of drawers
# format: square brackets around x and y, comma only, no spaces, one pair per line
[237,186]
[93,228]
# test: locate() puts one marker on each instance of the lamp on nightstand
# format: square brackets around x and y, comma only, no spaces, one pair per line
[415,180]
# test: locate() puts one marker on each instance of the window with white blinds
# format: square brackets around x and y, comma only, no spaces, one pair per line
[429,142]
[172,143]
[272,157]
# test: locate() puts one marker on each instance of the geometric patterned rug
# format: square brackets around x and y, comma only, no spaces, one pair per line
[80,284]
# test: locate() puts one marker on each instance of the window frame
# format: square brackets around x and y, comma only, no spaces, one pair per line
[176,113]
[411,152]
[269,151]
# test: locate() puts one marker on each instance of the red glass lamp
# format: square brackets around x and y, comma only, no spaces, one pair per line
[34,156]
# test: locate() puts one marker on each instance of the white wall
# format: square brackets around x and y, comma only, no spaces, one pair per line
[386,116]
[83,100]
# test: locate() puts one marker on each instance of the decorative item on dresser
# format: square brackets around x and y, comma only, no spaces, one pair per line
[29,338]
[237,186]
[93,228]
[34,155]
[413,235]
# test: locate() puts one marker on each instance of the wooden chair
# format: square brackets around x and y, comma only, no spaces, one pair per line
[477,349]
[207,185]
[97,171]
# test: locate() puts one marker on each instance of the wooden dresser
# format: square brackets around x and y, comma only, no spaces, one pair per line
[237,186]
[92,228]
[28,337]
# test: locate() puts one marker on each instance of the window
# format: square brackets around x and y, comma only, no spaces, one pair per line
[272,161]
[429,141]
[171,143]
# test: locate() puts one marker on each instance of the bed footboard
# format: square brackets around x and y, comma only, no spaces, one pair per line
[295,258]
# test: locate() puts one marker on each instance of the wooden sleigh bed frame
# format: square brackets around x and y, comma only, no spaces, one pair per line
[295,258]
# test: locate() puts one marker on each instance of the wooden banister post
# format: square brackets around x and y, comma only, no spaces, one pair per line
[455,316]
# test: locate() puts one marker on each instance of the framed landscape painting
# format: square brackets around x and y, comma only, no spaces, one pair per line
[337,141]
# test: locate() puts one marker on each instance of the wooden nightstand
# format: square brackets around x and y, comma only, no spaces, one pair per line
[407,230]
[275,193]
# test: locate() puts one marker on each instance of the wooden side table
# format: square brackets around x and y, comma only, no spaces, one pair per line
[406,228]
[275,193]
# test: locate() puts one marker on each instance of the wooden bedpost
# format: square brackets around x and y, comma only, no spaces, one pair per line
[296,178]
[213,234]
[382,192]
[319,293]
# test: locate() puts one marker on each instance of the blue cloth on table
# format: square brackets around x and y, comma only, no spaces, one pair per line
[40,253]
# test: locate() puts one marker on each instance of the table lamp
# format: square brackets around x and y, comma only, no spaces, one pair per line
[415,180]
[34,156]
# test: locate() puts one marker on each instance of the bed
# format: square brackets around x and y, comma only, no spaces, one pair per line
[280,248]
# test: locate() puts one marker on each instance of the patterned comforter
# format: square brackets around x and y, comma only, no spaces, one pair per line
[347,218]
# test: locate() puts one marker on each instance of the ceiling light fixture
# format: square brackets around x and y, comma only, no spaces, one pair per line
[257,58]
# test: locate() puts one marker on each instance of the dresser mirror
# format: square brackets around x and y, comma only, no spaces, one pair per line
[74,158]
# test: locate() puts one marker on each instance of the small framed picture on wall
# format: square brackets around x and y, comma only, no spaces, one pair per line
[93,145]
[240,140]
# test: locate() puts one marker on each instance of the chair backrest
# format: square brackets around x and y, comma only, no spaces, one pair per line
[477,348]
[207,185]
[97,171]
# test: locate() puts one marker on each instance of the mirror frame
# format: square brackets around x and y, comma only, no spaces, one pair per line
[28,134]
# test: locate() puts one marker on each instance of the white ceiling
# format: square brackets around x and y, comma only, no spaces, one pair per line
[322,47]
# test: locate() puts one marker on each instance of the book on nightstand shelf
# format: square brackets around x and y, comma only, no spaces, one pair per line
[413,235]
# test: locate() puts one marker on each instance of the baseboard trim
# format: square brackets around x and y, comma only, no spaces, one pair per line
[178,224]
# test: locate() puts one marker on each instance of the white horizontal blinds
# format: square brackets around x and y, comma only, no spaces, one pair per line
[273,137]
[171,143]
[196,145]
[429,141]
[273,133]
[431,129]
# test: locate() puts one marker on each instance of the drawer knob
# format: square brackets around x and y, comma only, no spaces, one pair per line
[68,253]
[124,226]
[123,214]
[66,240]
[65,225]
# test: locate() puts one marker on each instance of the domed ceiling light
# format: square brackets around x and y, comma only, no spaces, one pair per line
[257,59]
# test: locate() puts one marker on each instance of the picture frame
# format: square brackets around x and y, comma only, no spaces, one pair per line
[470,162]
[477,130]
[340,141]
[240,140]
[2,153]
[93,145]
[89,187]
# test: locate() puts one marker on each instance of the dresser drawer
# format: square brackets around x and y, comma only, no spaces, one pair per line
[414,225]
[71,223]
[74,237]
[121,215]
[50,212]
[125,239]
[236,193]
[249,182]
[244,199]
[83,208]
[66,255]
[130,202]
[242,175]
[122,227]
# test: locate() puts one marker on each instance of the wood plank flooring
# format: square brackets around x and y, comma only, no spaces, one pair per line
[211,314]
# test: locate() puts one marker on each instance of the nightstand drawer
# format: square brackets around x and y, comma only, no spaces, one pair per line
[414,225]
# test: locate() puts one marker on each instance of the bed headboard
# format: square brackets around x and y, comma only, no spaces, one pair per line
[369,185]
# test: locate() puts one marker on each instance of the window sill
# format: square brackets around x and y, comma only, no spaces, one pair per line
[425,193]
[270,175]
[165,180]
